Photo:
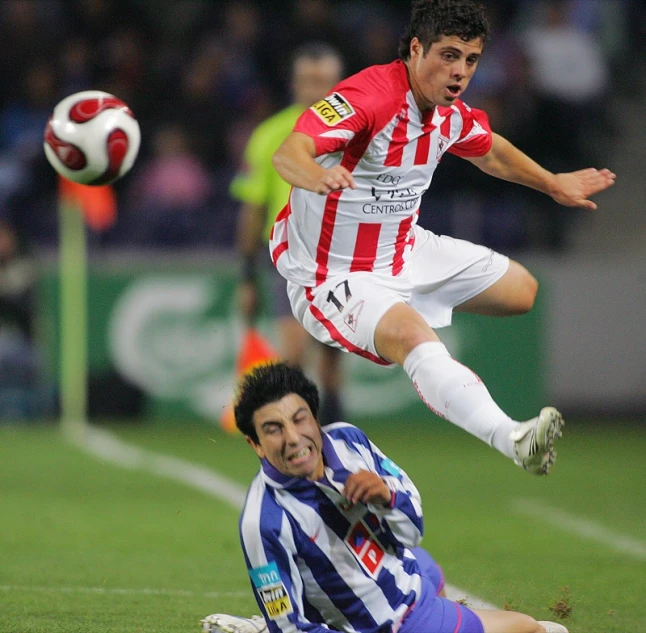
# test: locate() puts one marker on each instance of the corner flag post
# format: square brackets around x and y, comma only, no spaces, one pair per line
[77,204]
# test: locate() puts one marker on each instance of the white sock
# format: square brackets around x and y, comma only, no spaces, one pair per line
[456,393]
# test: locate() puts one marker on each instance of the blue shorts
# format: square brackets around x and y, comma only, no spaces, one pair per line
[432,614]
[429,568]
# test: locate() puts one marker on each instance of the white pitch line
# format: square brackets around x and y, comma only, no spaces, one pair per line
[580,526]
[109,447]
[125,592]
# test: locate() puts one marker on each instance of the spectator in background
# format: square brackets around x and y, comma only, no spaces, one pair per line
[169,197]
[19,368]
[569,80]
[316,68]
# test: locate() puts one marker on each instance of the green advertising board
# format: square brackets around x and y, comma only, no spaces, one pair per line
[172,330]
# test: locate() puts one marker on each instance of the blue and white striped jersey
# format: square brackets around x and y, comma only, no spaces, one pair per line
[316,560]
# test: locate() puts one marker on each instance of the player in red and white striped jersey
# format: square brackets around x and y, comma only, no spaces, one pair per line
[362,275]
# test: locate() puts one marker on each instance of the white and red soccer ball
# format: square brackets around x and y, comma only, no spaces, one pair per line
[92,138]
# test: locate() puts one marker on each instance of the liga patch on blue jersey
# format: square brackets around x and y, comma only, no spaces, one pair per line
[390,467]
[271,590]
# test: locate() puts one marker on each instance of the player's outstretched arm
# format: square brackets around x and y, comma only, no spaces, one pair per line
[294,161]
[572,189]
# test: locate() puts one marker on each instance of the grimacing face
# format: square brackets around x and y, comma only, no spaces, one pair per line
[312,79]
[289,437]
[441,74]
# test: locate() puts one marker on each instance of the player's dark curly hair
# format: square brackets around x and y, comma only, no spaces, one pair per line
[431,19]
[270,383]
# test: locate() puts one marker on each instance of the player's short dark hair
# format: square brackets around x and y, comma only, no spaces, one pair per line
[270,383]
[431,19]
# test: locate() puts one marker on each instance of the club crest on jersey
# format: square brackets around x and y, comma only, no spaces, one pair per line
[442,142]
[271,590]
[352,317]
[333,109]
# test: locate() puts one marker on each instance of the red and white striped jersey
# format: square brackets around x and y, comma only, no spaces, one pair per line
[371,125]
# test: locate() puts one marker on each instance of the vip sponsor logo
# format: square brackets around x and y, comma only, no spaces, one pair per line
[271,590]
[333,109]
[351,319]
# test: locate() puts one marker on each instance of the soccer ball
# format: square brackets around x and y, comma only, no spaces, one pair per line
[92,138]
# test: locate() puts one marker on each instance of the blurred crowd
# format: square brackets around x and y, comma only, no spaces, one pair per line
[201,74]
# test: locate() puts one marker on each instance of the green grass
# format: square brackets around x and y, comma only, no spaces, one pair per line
[88,546]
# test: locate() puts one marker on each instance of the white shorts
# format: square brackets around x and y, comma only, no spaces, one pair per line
[442,273]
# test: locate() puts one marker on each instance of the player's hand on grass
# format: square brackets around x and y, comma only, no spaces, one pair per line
[574,189]
[334,179]
[366,487]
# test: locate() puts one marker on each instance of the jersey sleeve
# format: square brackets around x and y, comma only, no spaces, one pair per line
[251,183]
[476,135]
[403,517]
[270,552]
[402,520]
[338,118]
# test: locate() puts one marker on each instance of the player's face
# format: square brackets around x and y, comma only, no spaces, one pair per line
[441,74]
[289,437]
[312,79]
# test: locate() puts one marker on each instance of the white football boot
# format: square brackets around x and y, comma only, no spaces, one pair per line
[224,623]
[534,441]
[552,627]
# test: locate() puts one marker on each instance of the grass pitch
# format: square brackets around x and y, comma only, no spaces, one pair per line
[89,546]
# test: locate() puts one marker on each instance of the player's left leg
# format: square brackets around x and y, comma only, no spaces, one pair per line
[449,274]
[513,622]
[512,294]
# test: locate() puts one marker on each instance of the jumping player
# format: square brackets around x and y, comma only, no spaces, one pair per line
[362,276]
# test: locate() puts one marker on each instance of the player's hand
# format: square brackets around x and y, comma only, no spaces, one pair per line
[574,188]
[366,487]
[334,179]
[248,301]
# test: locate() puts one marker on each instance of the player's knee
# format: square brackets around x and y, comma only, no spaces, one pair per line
[397,340]
[526,295]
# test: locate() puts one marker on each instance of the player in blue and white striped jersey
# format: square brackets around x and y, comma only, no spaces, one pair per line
[331,527]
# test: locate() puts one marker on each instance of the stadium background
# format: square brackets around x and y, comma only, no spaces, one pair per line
[163,330]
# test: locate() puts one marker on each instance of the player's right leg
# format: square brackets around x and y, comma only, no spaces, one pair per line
[513,622]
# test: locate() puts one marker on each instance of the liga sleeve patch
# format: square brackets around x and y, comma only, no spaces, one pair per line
[333,109]
[271,590]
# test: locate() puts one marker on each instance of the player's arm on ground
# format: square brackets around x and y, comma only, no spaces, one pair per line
[269,550]
[294,161]
[572,189]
